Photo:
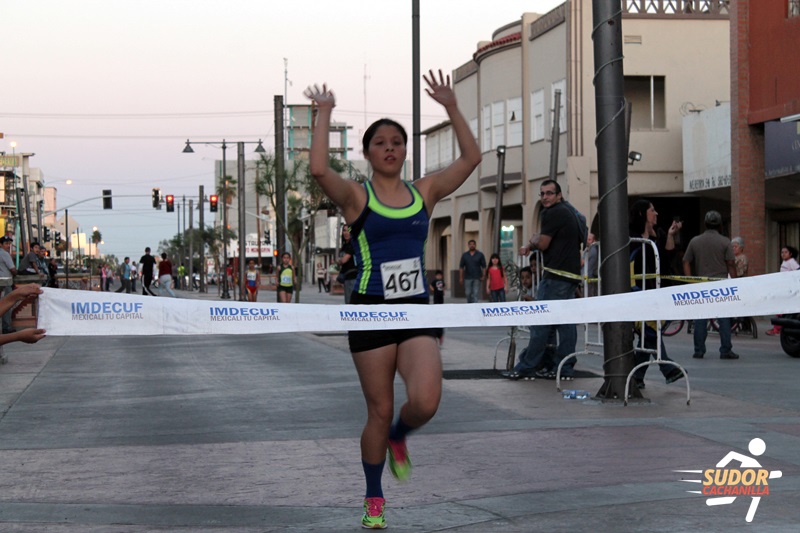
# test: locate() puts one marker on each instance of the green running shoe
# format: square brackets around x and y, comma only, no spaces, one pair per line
[373,514]
[399,461]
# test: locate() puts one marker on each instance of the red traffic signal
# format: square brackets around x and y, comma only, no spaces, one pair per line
[213,201]
[170,203]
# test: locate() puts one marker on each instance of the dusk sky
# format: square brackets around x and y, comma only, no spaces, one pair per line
[106,92]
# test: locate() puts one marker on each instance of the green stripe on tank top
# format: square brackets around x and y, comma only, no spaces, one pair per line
[366,262]
[395,212]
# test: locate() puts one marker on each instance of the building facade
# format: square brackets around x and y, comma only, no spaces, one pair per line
[675,64]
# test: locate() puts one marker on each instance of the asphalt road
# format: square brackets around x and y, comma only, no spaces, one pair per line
[260,434]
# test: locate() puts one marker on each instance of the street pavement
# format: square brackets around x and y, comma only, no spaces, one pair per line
[259,433]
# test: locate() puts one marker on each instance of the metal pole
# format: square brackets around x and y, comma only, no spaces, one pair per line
[498,202]
[202,251]
[191,245]
[66,253]
[555,136]
[280,176]
[612,170]
[240,175]
[27,208]
[224,274]
[415,89]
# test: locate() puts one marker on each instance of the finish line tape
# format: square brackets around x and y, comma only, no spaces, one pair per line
[77,313]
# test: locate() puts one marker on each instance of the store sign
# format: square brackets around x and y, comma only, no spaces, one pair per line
[707,149]
[781,148]
[9,160]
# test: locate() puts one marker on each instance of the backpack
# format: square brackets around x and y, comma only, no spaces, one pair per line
[583,229]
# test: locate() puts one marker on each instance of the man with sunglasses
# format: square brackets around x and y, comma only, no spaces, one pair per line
[560,245]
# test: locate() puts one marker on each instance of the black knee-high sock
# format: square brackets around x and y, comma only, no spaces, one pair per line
[372,474]
[399,430]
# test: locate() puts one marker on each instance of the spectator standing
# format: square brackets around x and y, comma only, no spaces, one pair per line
[52,272]
[146,264]
[712,256]
[103,277]
[496,280]
[165,276]
[7,270]
[44,270]
[643,218]
[742,265]
[472,271]
[322,273]
[788,264]
[560,245]
[124,273]
[181,277]
[134,275]
[347,261]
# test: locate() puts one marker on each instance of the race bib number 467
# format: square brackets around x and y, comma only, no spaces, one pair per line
[402,278]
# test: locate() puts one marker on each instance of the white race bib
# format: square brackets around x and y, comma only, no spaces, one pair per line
[402,278]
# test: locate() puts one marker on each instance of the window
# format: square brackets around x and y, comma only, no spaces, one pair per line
[537,115]
[646,94]
[794,8]
[432,153]
[486,143]
[515,122]
[560,85]
[473,127]
[498,124]
[445,147]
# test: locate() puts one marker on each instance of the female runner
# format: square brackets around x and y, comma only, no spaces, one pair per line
[389,220]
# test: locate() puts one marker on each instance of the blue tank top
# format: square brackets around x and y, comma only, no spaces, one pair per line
[387,237]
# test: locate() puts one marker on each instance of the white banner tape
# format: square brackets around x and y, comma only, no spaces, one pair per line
[69,312]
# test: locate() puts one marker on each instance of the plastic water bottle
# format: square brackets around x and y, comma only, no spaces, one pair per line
[575,394]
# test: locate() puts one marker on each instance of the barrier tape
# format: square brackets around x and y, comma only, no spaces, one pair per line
[685,279]
[70,312]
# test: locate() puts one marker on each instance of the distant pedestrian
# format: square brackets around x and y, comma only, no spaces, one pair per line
[253,277]
[712,256]
[742,264]
[134,275]
[8,271]
[52,272]
[322,273]
[146,265]
[437,287]
[472,271]
[592,255]
[286,279]
[124,273]
[103,277]
[495,280]
[165,276]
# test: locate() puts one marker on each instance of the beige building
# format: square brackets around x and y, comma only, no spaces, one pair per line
[675,64]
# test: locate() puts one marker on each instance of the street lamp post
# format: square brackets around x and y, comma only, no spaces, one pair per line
[240,176]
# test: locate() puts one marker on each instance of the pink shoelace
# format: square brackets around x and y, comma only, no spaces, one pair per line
[375,506]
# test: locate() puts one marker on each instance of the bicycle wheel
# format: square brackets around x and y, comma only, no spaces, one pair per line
[671,327]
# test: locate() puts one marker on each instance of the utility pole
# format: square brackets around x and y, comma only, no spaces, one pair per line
[415,89]
[280,177]
[555,136]
[201,206]
[240,174]
[191,244]
[612,166]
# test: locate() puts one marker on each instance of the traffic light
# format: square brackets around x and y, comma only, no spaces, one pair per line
[213,201]
[156,198]
[58,238]
[267,239]
[170,203]
[106,198]
[46,234]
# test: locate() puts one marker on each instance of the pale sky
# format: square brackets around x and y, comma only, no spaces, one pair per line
[106,92]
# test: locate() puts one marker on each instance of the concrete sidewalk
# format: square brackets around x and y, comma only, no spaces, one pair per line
[175,434]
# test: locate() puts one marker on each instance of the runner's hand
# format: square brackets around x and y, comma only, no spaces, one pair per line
[440,90]
[324,98]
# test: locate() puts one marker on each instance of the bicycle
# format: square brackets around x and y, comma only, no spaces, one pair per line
[744,325]
[671,327]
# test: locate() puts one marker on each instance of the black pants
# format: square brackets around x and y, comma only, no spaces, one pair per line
[146,281]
